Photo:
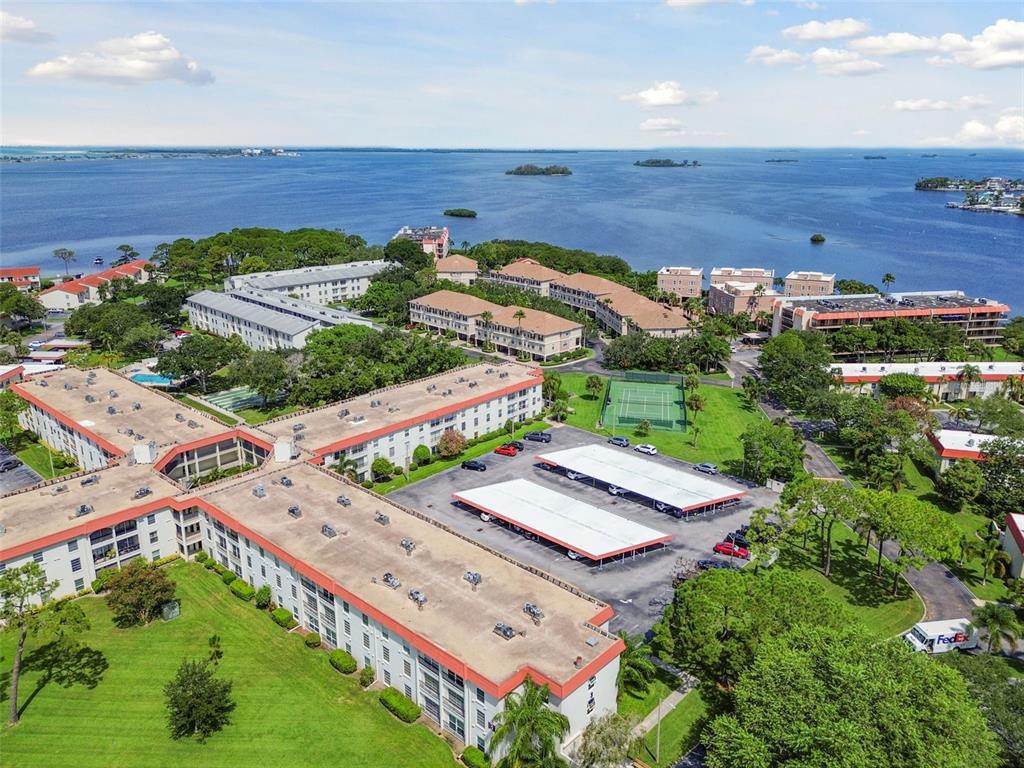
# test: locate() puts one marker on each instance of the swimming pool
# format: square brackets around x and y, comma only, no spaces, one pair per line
[151,379]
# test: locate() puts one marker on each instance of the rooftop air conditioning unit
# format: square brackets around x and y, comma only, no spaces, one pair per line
[418,597]
[375,403]
[192,424]
[91,480]
[286,481]
[111,410]
[344,501]
[179,417]
[44,383]
[83,509]
[142,492]
[473,384]
[343,413]
[298,427]
[503,375]
[408,545]
[112,393]
[259,491]
[67,386]
[136,406]
[533,611]
[473,578]
[90,399]
[504,630]
[59,489]
[381,518]
[299,436]
[294,511]
[391,580]
[328,531]
[489,370]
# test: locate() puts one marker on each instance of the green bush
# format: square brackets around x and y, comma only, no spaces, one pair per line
[263,596]
[343,661]
[218,568]
[283,617]
[367,483]
[100,582]
[161,561]
[400,705]
[84,591]
[421,455]
[228,576]
[475,758]
[210,564]
[312,640]
[366,676]
[242,590]
[201,556]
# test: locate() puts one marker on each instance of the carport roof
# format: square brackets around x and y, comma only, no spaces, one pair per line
[553,516]
[643,477]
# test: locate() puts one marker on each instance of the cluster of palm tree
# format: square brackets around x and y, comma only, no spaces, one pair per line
[1000,624]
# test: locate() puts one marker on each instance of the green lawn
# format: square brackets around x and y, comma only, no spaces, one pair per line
[259,415]
[37,456]
[725,417]
[104,704]
[854,583]
[221,417]
[661,686]
[680,731]
[440,465]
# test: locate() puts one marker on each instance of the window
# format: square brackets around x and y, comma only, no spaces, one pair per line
[73,545]
[76,565]
[387,677]
[480,695]
[37,557]
[366,661]
[154,537]
[387,653]
[590,683]
[332,637]
[248,561]
[384,634]
[481,719]
[407,668]
[408,691]
[481,744]
[348,648]
[295,592]
[79,584]
[151,519]
[366,620]
[263,571]
[155,554]
[366,640]
[277,577]
[348,627]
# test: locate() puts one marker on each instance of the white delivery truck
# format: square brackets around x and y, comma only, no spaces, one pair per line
[942,636]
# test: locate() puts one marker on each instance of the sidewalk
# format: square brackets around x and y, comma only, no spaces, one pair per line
[645,726]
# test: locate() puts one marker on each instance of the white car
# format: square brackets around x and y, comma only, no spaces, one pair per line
[572,555]
[485,518]
[575,475]
[647,448]
[614,490]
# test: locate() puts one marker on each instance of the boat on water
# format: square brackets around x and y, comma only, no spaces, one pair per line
[97,261]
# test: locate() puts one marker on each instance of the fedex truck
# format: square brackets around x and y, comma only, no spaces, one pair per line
[942,636]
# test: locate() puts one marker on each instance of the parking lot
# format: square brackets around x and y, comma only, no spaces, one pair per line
[16,479]
[636,587]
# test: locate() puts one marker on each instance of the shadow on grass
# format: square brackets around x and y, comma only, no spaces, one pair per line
[57,664]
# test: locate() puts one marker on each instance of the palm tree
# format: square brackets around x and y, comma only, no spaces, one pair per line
[559,410]
[529,729]
[1013,388]
[65,255]
[1000,622]
[994,559]
[959,412]
[888,279]
[486,317]
[636,670]
[754,389]
[520,315]
[969,374]
[594,385]
[347,467]
[696,404]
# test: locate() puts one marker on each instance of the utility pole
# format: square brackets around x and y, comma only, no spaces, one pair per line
[657,738]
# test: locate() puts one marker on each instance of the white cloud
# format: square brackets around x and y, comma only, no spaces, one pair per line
[142,58]
[811,6]
[661,124]
[838,62]
[20,29]
[998,46]
[1006,130]
[827,30]
[670,94]
[701,3]
[862,132]
[765,54]
[940,105]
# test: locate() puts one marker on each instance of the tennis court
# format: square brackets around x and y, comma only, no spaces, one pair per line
[630,402]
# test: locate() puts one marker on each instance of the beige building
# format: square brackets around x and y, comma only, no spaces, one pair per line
[72,294]
[527,275]
[684,282]
[732,298]
[457,269]
[721,275]
[539,334]
[809,284]
[626,312]
[584,292]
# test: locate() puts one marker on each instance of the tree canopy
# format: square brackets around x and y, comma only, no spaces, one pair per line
[17,305]
[796,365]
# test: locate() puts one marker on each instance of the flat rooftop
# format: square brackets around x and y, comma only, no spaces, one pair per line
[902,303]
[822,276]
[956,440]
[927,370]
[34,514]
[327,430]
[561,519]
[643,477]
[64,392]
[454,618]
[288,278]
[249,312]
[297,307]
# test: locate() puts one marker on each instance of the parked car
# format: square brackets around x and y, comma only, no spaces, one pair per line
[622,442]
[707,469]
[538,437]
[733,550]
[575,475]
[485,518]
[668,509]
[180,333]
[710,563]
[573,555]
[476,466]
[506,450]
[737,538]
[8,464]
[614,490]
[517,445]
[647,448]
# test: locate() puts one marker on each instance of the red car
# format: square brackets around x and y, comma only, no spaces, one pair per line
[506,450]
[733,550]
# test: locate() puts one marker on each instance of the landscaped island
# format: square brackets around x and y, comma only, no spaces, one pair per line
[666,163]
[536,170]
[462,213]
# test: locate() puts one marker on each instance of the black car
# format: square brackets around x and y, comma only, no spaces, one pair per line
[517,445]
[622,442]
[738,539]
[8,464]
[538,437]
[476,466]
[708,564]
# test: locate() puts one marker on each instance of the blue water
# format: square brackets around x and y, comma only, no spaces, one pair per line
[151,378]
[733,210]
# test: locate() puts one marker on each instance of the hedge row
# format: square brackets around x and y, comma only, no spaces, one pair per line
[475,758]
[283,617]
[400,705]
[312,640]
[242,590]
[366,676]
[343,661]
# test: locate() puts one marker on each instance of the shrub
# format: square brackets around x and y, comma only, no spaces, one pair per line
[475,758]
[161,561]
[366,676]
[136,593]
[400,705]
[283,617]
[312,640]
[228,576]
[421,455]
[201,556]
[343,661]
[218,568]
[367,483]
[451,444]
[242,590]
[263,596]
[84,591]
[210,564]
[100,582]
[817,238]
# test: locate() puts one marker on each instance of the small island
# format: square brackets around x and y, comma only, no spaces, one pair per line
[993,194]
[874,157]
[817,238]
[536,170]
[782,160]
[462,213]
[666,163]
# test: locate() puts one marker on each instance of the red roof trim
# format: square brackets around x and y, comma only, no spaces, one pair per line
[210,440]
[1015,532]
[13,373]
[67,421]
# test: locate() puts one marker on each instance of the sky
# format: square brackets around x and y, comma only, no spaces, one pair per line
[513,74]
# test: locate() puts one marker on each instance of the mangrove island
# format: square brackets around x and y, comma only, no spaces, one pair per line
[462,213]
[536,170]
[666,163]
